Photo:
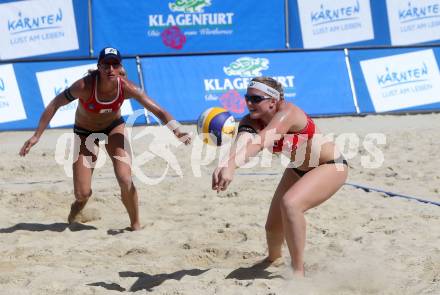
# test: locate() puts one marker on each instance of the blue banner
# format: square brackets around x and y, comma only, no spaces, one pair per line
[158,26]
[27,88]
[315,81]
[390,80]
[44,29]
[413,21]
[337,24]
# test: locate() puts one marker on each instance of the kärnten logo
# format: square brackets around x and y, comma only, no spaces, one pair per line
[24,23]
[247,67]
[189,5]
[329,15]
[413,12]
[393,78]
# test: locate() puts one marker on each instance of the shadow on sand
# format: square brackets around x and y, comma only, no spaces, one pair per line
[256,271]
[114,232]
[56,227]
[147,282]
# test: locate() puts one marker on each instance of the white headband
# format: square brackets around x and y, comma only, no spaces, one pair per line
[266,89]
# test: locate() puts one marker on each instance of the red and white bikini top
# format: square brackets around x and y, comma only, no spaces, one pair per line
[94,105]
[294,139]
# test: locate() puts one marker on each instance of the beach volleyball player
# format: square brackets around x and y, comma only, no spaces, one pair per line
[101,94]
[317,170]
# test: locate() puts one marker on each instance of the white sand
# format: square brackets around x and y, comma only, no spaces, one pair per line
[197,242]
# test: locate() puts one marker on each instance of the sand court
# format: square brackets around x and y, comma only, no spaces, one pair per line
[195,241]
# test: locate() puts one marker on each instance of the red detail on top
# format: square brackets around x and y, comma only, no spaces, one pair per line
[95,106]
[295,139]
[233,101]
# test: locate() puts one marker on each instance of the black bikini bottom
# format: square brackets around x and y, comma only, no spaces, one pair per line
[84,132]
[340,160]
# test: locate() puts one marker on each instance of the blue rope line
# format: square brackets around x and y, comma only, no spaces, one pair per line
[258,173]
[391,194]
[364,188]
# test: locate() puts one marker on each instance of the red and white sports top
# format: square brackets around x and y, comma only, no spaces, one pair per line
[94,105]
[295,139]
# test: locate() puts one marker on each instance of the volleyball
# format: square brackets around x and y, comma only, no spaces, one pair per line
[216,126]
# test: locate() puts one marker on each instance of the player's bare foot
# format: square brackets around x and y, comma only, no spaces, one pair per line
[298,273]
[75,208]
[135,226]
[276,262]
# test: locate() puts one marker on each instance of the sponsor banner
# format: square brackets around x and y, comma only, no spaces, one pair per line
[328,23]
[30,28]
[11,104]
[53,82]
[316,81]
[413,21]
[167,26]
[402,81]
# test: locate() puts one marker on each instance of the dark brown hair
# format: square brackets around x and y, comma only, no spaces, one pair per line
[92,72]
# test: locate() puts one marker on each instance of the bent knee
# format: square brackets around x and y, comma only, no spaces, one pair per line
[125,182]
[292,206]
[82,195]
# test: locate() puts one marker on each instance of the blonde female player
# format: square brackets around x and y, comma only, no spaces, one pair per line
[101,94]
[320,169]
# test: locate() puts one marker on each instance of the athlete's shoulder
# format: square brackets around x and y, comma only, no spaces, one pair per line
[82,87]
[126,82]
[289,109]
[287,106]
[293,115]
[130,86]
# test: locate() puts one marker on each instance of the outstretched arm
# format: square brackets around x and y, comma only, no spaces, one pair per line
[242,152]
[165,117]
[60,100]
[277,127]
[223,174]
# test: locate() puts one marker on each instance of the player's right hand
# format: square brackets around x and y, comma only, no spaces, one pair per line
[27,145]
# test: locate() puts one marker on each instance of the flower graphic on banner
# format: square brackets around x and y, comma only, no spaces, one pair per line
[189,5]
[232,101]
[173,37]
[247,67]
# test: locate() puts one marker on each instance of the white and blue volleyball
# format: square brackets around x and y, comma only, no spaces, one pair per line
[216,126]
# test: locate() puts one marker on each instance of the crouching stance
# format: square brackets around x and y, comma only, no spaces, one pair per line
[101,94]
[317,170]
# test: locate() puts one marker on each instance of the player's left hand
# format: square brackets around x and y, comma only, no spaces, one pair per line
[183,137]
[221,178]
